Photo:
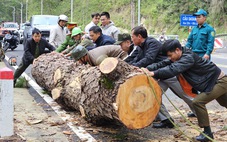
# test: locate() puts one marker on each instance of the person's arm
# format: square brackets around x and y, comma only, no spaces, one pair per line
[189,40]
[108,43]
[115,33]
[67,50]
[210,41]
[27,52]
[63,46]
[150,55]
[175,68]
[156,66]
[132,55]
[50,47]
[52,37]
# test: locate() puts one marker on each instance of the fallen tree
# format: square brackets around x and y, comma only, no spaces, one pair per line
[114,91]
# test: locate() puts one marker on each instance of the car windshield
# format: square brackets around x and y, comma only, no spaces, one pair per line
[53,20]
[10,25]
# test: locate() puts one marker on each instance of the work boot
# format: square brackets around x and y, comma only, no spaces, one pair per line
[202,138]
[163,124]
[191,114]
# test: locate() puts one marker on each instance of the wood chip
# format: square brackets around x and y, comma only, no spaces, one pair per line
[67,132]
[33,122]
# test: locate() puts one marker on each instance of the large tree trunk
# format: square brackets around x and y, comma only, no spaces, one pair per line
[113,91]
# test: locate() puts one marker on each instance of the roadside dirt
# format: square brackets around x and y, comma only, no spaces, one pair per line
[36,122]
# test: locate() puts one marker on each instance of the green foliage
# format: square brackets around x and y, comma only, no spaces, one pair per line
[22,82]
[107,83]
[156,15]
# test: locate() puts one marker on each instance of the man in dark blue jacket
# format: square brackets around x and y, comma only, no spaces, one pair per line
[98,38]
[203,75]
[34,47]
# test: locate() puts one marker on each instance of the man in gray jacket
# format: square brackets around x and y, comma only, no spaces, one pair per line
[108,27]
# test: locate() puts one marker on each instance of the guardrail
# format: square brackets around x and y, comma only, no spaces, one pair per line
[223,37]
[157,36]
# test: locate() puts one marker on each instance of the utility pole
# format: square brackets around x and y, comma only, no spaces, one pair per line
[71,10]
[21,12]
[132,14]
[41,7]
[13,13]
[26,10]
[139,13]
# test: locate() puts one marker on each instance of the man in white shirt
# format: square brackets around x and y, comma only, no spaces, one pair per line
[58,33]
[94,22]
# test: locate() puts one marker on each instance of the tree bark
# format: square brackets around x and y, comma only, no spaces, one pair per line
[114,91]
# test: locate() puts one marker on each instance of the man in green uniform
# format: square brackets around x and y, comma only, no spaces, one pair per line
[69,41]
[201,38]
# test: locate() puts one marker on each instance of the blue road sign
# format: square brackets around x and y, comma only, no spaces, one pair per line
[188,20]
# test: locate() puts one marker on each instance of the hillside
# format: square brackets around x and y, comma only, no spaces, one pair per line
[156,15]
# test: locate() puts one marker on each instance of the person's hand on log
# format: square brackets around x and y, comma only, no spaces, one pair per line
[146,71]
[136,68]
[69,54]
[34,61]
[54,52]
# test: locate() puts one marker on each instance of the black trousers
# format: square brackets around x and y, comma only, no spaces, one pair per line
[22,67]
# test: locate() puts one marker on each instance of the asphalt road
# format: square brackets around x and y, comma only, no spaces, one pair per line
[116,133]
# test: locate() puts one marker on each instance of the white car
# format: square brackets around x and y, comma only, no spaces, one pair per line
[21,30]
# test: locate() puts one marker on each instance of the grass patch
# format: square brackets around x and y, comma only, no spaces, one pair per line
[22,82]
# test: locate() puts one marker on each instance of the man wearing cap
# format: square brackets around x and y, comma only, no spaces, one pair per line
[201,38]
[124,40]
[95,56]
[77,36]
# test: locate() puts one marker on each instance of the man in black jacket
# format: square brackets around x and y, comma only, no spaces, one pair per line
[34,47]
[149,52]
[203,75]
[99,38]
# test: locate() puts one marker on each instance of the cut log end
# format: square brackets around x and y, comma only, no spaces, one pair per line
[56,93]
[57,76]
[108,65]
[138,101]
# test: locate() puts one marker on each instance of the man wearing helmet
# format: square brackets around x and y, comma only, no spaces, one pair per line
[58,33]
[76,35]
[94,57]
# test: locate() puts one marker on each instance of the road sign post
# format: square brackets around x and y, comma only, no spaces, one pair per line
[188,20]
[6,102]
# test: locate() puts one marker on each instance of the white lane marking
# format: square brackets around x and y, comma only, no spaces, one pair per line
[79,131]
